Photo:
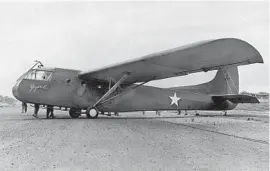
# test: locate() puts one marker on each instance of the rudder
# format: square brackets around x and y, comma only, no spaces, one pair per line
[226,81]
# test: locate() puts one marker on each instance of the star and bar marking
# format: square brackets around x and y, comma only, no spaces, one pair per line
[174,99]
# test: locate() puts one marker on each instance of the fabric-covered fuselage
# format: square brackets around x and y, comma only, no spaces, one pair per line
[65,89]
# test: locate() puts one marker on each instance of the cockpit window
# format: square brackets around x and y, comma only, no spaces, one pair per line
[36,74]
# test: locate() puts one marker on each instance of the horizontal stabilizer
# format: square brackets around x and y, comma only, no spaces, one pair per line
[236,98]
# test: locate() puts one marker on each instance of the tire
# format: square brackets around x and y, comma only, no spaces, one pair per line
[74,113]
[92,113]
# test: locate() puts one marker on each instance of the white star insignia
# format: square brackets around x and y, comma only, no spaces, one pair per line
[174,99]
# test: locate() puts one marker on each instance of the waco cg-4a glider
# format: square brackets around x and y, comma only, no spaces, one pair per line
[120,87]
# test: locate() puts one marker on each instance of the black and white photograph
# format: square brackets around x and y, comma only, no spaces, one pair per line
[134,85]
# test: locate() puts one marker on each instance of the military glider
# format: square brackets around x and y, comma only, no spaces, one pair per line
[121,87]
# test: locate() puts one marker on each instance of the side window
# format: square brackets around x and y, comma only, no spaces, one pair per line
[43,75]
[48,76]
[31,75]
[39,75]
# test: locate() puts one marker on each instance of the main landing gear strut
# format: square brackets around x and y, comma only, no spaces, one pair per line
[92,112]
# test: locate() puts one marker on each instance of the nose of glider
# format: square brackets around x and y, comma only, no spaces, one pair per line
[15,90]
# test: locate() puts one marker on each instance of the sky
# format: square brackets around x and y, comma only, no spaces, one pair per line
[87,35]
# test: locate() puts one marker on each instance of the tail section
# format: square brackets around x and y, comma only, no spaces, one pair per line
[223,89]
[226,81]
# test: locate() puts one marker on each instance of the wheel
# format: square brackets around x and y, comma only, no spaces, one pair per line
[91,113]
[74,113]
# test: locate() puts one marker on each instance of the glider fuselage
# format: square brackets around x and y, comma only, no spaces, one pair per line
[65,89]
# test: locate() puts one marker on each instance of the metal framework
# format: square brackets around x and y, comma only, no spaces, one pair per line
[113,88]
[128,89]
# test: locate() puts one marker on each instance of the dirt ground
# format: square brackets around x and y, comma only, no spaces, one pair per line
[134,141]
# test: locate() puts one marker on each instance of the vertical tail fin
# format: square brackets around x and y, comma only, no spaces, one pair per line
[226,81]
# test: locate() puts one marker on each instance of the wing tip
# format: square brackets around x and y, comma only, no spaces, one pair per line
[257,58]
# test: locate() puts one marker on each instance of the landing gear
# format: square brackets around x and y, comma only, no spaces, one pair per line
[91,113]
[225,112]
[74,113]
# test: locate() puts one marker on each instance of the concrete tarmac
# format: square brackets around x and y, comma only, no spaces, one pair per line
[133,141]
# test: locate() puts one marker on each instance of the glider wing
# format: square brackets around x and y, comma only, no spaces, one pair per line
[197,57]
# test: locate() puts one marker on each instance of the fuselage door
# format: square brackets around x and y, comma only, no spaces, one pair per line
[81,89]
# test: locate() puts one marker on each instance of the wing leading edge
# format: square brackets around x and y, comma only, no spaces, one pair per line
[197,57]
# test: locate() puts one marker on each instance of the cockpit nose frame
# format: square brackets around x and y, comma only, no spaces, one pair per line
[15,88]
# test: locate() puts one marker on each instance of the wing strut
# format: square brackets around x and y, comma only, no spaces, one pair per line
[127,90]
[110,91]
